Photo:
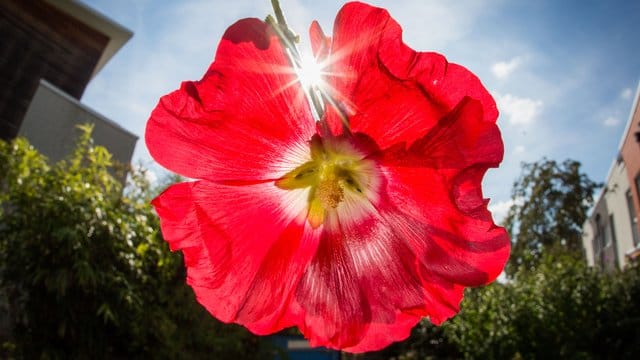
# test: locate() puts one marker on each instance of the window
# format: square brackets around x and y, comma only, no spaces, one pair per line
[598,242]
[633,217]
[608,231]
[612,240]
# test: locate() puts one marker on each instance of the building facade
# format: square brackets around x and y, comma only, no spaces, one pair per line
[52,120]
[49,51]
[611,235]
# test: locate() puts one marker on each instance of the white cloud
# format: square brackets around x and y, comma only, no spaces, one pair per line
[503,69]
[611,121]
[519,149]
[518,111]
[500,209]
[626,94]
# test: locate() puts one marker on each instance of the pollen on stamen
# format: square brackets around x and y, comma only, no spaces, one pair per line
[330,193]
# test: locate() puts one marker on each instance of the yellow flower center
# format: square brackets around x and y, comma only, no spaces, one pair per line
[336,173]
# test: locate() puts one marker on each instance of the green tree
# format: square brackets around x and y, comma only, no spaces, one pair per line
[563,310]
[84,271]
[550,204]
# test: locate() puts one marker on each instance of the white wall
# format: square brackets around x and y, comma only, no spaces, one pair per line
[51,120]
[611,204]
[618,185]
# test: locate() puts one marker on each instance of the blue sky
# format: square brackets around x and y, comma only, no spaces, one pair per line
[564,73]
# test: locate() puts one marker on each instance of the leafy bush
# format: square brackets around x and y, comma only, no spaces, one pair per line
[563,310]
[84,272]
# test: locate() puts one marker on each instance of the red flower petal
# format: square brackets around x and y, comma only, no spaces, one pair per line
[244,274]
[238,121]
[460,140]
[437,183]
[320,43]
[355,288]
[379,335]
[456,239]
[374,71]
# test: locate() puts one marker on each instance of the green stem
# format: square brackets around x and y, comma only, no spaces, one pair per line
[278,11]
[316,97]
[289,40]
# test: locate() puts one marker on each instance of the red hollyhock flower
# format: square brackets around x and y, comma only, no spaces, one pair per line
[353,236]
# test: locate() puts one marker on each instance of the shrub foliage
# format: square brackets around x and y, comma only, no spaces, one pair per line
[84,271]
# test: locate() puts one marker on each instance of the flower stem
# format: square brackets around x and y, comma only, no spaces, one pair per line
[289,40]
[278,11]
[316,97]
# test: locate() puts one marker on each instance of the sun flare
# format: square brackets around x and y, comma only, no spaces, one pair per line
[310,73]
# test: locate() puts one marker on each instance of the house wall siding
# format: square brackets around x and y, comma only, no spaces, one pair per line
[37,41]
